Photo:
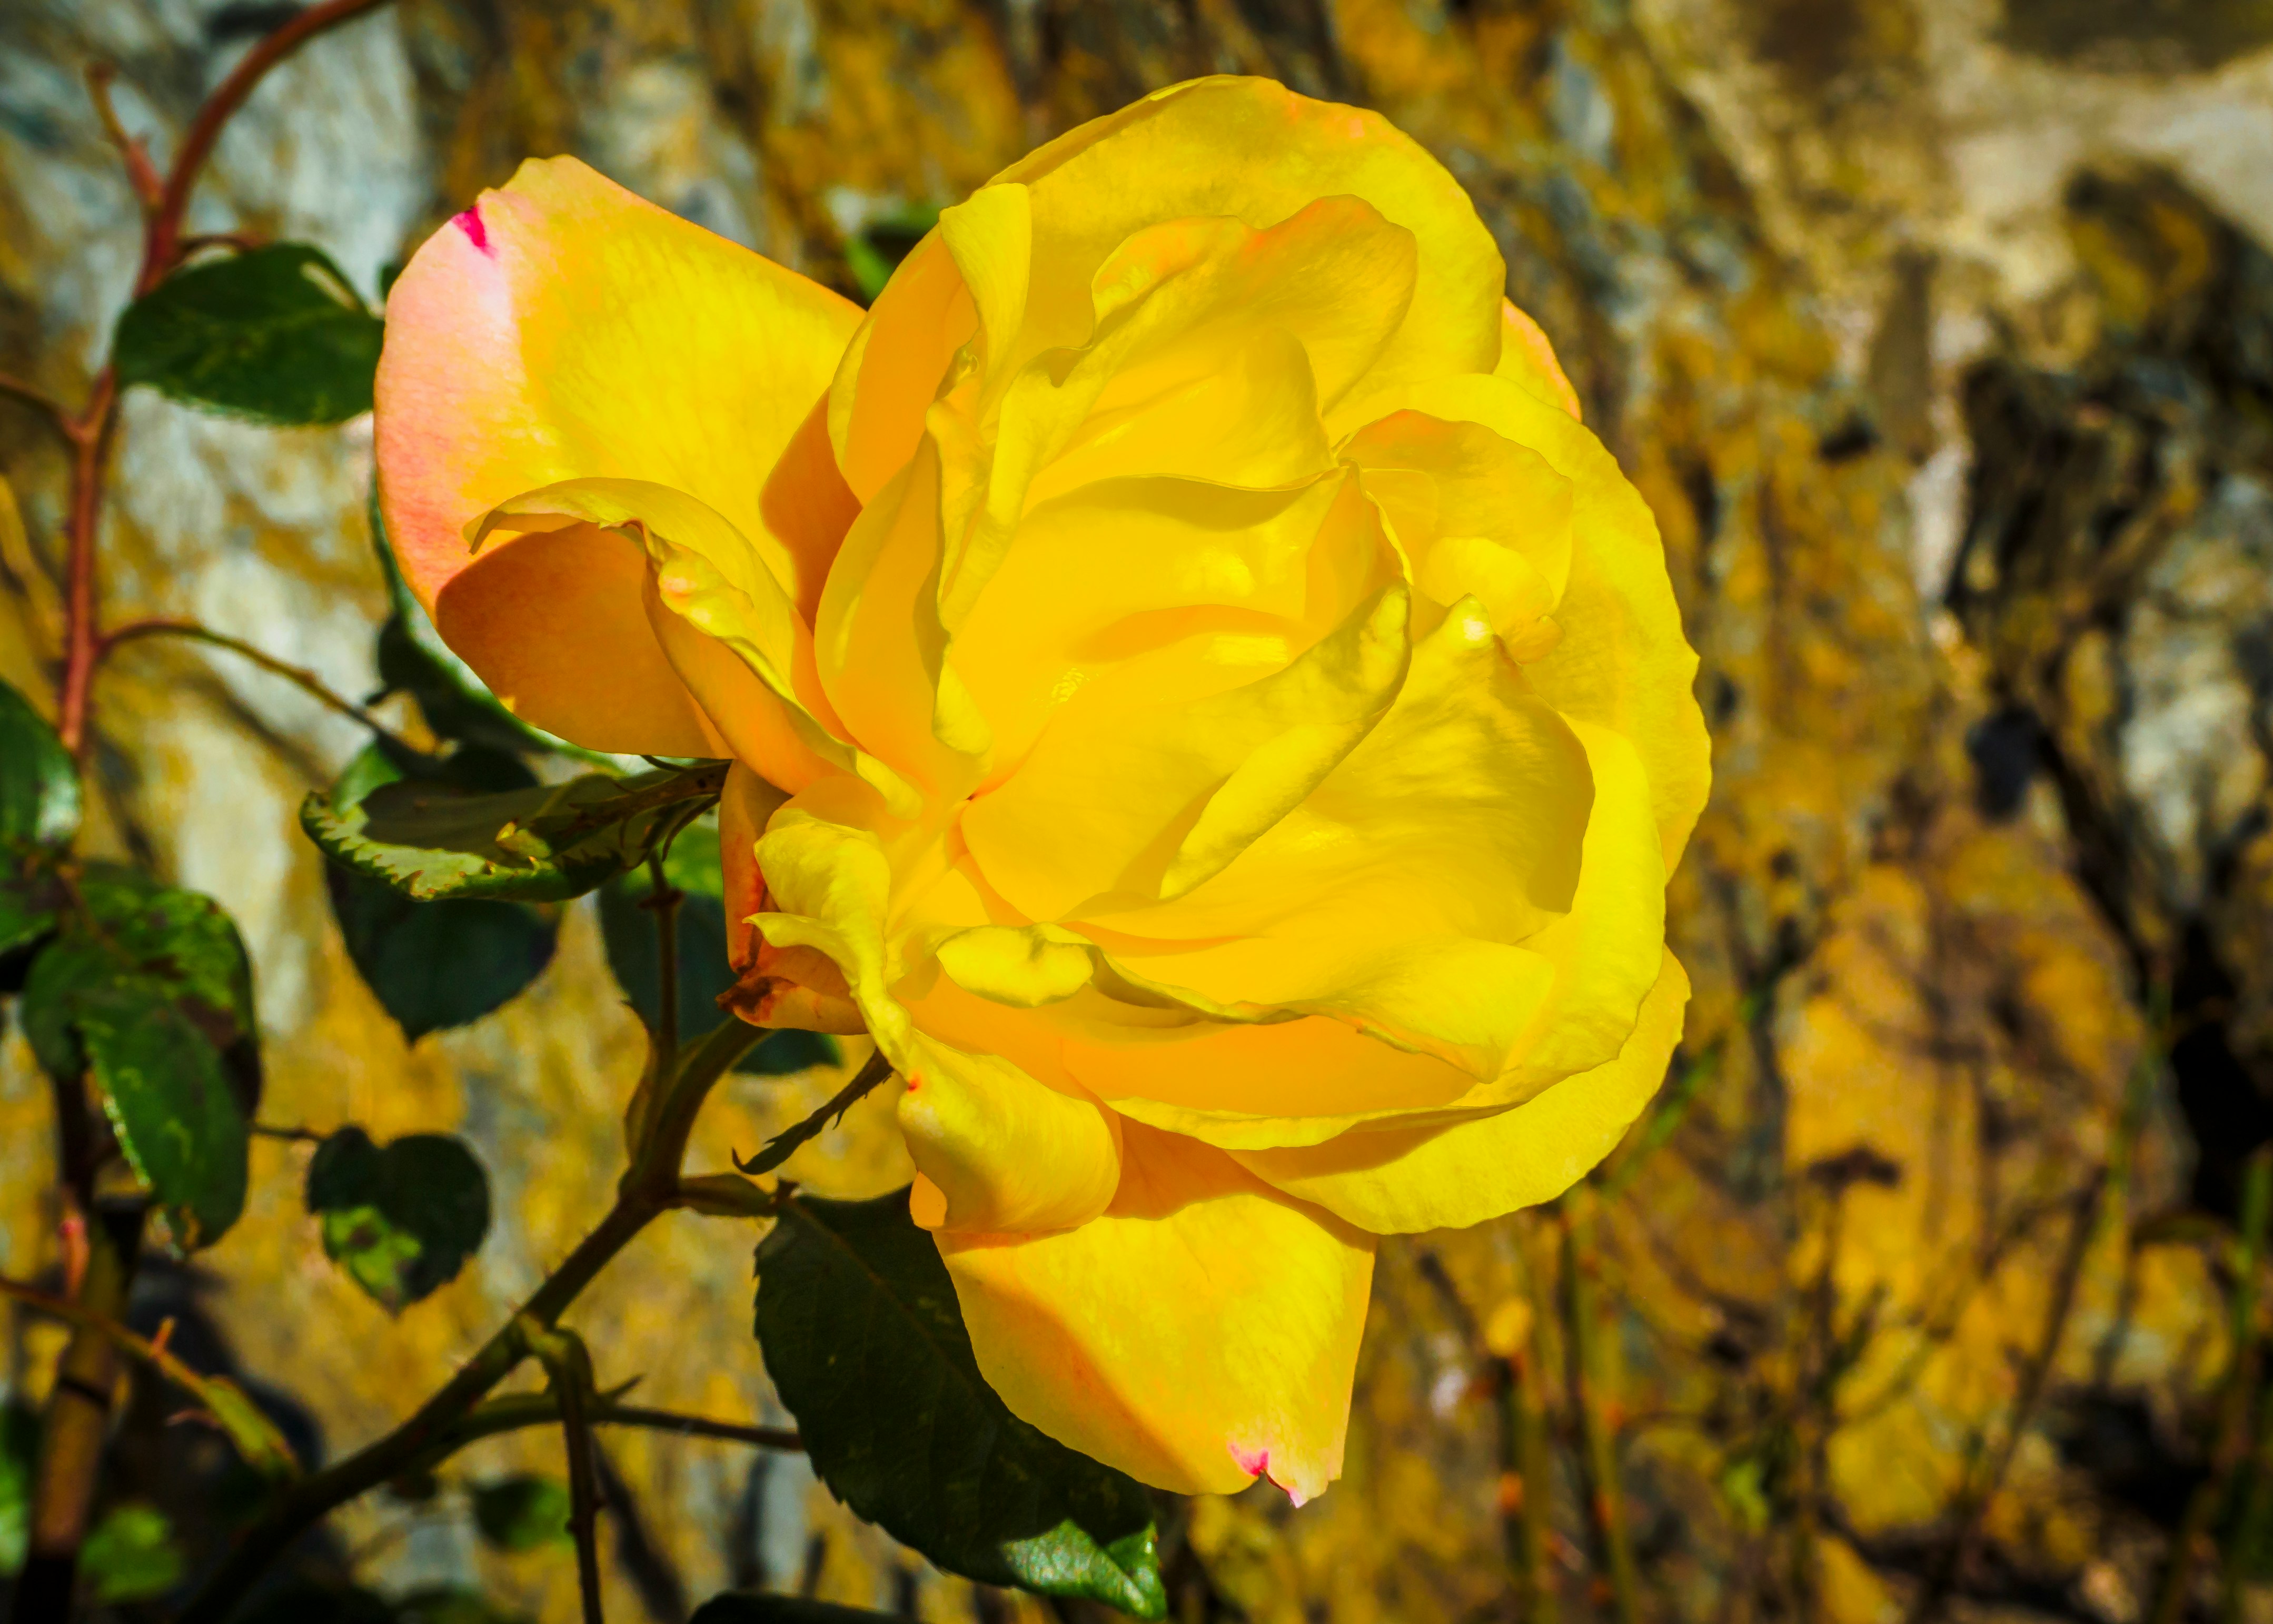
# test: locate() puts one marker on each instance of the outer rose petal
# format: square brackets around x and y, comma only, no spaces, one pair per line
[998,1150]
[1398,1181]
[1526,358]
[1623,661]
[1161,159]
[1203,1332]
[563,328]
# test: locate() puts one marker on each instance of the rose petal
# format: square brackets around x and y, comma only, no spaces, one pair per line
[1392,1181]
[1202,1332]
[568,329]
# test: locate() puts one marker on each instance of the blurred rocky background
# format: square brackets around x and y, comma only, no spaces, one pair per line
[1940,334]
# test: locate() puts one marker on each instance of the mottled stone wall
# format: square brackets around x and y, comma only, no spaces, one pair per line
[1938,333]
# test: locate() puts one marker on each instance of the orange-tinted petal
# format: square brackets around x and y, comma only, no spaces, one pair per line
[1202,1332]
[563,328]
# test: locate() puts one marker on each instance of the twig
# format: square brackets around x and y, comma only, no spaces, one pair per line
[221,1399]
[41,401]
[569,1363]
[205,129]
[1665,1117]
[305,680]
[1598,1455]
[2110,1180]
[784,1145]
[141,173]
[517,1411]
[272,1131]
[649,1187]
[1524,1498]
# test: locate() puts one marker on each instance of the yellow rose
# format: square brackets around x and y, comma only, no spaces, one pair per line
[1201,702]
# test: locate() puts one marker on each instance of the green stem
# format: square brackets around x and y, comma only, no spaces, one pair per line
[650,1186]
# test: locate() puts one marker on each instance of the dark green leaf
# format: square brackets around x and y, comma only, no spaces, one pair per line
[274,333]
[152,994]
[132,1554]
[32,902]
[757,1607]
[39,786]
[522,1513]
[628,928]
[865,1342]
[437,965]
[402,1220]
[447,836]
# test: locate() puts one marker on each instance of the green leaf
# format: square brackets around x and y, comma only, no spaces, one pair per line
[758,1607]
[437,964]
[274,333]
[132,1554]
[628,929]
[454,833]
[523,1513]
[865,1342]
[402,1220]
[33,898]
[19,1451]
[150,993]
[39,784]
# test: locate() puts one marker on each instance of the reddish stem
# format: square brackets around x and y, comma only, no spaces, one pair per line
[90,434]
[163,245]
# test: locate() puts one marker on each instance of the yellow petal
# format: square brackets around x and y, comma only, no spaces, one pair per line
[880,646]
[1526,358]
[1202,1332]
[831,885]
[990,237]
[1563,1001]
[1024,967]
[1394,1181]
[1162,158]
[1201,365]
[1473,485]
[1131,795]
[1406,892]
[563,328]
[1103,576]
[1623,660]
[1000,1152]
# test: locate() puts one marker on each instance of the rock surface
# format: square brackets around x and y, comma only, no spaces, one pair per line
[1939,335]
